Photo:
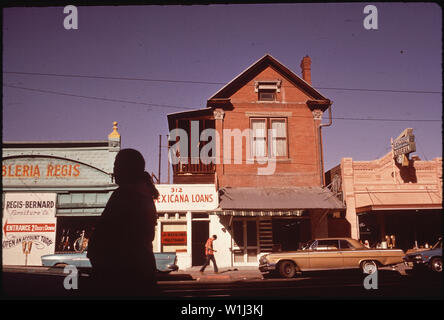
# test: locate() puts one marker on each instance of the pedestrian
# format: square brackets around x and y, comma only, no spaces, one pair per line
[366,244]
[120,249]
[209,253]
[393,241]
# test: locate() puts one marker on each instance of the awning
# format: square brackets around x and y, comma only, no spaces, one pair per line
[287,200]
[261,213]
[399,207]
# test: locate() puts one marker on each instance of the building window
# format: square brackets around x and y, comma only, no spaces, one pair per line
[267,89]
[267,95]
[259,138]
[245,240]
[266,142]
[279,138]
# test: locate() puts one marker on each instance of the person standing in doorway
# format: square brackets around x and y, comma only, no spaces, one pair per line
[209,253]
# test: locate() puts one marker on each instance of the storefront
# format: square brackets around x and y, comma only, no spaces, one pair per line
[253,221]
[183,224]
[53,193]
[394,200]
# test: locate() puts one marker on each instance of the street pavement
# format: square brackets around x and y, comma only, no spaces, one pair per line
[31,282]
[224,274]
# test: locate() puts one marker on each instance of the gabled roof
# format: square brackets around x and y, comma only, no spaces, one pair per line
[257,67]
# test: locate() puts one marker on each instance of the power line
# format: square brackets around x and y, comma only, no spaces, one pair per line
[111,78]
[181,107]
[94,98]
[203,82]
[359,119]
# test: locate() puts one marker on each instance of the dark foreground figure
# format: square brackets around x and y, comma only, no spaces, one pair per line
[120,249]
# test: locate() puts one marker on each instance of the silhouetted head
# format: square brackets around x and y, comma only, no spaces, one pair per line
[129,167]
[214,237]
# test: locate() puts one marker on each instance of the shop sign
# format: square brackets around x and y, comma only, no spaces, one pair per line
[182,197]
[405,143]
[174,237]
[49,171]
[28,227]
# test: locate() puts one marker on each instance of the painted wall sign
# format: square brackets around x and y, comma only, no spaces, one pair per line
[182,197]
[50,171]
[174,237]
[29,227]
[36,171]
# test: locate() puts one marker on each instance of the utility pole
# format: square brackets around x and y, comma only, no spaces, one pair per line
[168,157]
[160,155]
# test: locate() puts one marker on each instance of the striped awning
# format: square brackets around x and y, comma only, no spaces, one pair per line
[288,200]
[261,213]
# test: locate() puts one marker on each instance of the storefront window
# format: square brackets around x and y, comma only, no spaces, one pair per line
[245,242]
[238,233]
[251,233]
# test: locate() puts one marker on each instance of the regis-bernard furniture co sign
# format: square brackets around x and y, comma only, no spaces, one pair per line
[186,197]
[28,227]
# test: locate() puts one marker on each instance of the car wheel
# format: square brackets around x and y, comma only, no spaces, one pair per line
[436,264]
[287,269]
[369,266]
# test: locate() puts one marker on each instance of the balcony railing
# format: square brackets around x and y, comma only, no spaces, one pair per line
[194,167]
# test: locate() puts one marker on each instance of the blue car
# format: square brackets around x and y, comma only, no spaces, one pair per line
[165,261]
[431,258]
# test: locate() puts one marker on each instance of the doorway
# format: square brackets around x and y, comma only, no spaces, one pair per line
[199,236]
[290,233]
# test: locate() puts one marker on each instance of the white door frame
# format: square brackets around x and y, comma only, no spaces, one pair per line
[246,247]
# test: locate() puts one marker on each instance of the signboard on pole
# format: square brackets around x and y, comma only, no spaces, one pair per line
[403,145]
[29,227]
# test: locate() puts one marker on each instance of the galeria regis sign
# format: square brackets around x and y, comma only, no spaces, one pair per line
[35,171]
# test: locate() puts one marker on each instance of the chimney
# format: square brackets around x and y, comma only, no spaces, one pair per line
[306,69]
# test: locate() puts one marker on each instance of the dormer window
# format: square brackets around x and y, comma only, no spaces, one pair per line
[267,89]
[267,95]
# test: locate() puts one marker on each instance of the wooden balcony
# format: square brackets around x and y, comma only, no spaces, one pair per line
[194,173]
[188,167]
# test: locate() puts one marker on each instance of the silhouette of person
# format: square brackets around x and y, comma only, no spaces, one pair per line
[120,248]
[209,253]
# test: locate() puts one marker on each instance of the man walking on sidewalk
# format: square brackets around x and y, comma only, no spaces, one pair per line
[209,252]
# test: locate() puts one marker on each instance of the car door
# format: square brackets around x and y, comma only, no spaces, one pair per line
[326,255]
[351,255]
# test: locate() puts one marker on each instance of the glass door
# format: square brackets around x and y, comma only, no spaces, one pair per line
[245,241]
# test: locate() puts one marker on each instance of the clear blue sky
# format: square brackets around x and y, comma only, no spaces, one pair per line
[211,45]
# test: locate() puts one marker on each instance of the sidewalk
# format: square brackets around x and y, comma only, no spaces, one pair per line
[229,273]
[246,273]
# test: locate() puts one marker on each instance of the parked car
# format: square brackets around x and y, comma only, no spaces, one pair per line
[328,254]
[165,261]
[429,258]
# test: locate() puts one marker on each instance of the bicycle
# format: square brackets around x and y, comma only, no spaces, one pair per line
[81,243]
[64,242]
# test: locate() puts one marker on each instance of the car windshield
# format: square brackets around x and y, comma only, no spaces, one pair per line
[438,244]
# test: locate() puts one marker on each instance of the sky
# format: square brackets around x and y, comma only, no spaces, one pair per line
[136,64]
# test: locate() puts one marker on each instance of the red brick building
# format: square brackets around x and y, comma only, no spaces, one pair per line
[265,147]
